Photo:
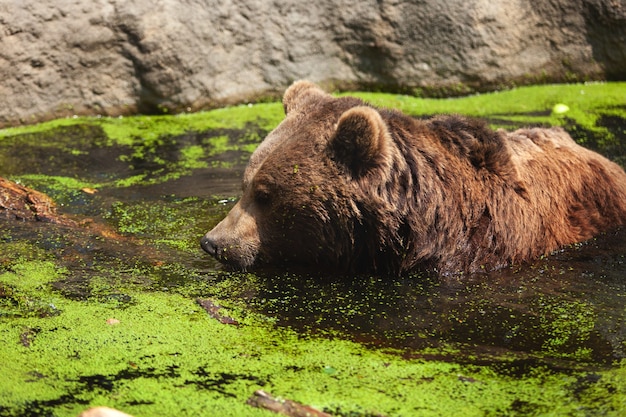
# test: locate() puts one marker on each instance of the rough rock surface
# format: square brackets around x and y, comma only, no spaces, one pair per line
[64,57]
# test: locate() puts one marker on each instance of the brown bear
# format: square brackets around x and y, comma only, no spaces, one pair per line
[345,186]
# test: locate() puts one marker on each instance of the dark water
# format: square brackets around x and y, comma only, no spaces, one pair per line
[565,311]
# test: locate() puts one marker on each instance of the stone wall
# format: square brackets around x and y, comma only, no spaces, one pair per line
[65,57]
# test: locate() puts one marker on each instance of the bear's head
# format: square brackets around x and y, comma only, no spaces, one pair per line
[316,189]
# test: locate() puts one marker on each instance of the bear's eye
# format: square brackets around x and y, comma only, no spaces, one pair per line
[262,196]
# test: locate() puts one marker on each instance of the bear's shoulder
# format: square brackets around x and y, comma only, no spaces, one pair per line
[473,140]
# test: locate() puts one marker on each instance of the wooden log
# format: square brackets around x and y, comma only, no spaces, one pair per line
[22,203]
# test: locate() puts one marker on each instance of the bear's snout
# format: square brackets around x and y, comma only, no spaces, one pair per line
[209,246]
[235,240]
[236,254]
[227,253]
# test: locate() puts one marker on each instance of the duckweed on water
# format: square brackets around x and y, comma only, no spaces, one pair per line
[171,221]
[167,357]
[541,339]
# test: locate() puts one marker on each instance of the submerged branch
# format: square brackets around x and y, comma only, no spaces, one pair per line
[262,399]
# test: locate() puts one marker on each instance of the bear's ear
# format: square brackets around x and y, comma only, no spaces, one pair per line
[299,93]
[361,140]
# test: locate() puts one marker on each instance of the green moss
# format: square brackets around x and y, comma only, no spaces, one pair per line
[151,128]
[145,139]
[516,101]
[529,103]
[40,127]
[524,105]
[126,130]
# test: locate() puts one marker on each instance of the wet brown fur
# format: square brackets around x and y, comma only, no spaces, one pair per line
[342,185]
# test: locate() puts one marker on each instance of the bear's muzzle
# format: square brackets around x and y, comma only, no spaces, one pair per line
[209,246]
[235,240]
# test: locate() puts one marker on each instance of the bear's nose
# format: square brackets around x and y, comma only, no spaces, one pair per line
[208,245]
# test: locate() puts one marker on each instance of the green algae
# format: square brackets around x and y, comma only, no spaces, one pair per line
[126,130]
[151,128]
[545,339]
[166,356]
[567,322]
[534,101]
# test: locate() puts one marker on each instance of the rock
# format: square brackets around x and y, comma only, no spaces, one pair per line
[103,412]
[62,57]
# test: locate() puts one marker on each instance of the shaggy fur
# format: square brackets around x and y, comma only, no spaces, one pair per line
[342,185]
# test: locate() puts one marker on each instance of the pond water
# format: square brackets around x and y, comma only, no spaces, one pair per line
[563,313]
[568,306]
